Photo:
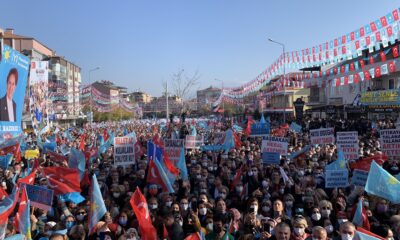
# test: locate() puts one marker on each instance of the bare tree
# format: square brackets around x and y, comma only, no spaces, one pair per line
[183,83]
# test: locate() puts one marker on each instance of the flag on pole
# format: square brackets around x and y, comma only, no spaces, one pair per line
[382,184]
[97,206]
[23,217]
[360,218]
[139,206]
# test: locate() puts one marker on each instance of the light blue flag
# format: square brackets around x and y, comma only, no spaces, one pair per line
[77,160]
[298,153]
[164,176]
[160,159]
[16,237]
[339,164]
[357,220]
[74,197]
[97,206]
[364,236]
[382,184]
[104,147]
[194,131]
[182,165]
[262,121]
[49,146]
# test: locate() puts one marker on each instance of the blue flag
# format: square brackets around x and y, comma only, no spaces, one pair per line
[160,159]
[194,131]
[97,206]
[357,220]
[104,147]
[151,150]
[339,164]
[5,160]
[74,197]
[262,121]
[77,160]
[382,184]
[182,165]
[49,146]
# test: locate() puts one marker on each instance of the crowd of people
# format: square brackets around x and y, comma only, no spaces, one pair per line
[228,195]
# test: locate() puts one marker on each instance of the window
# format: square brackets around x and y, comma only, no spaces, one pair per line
[391,84]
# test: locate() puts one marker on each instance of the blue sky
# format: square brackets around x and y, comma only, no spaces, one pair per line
[139,44]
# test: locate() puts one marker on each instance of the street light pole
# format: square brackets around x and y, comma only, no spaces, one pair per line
[284,84]
[91,92]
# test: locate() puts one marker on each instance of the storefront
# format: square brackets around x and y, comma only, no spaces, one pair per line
[381,104]
[355,112]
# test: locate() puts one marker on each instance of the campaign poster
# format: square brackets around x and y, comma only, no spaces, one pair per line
[390,142]
[14,68]
[193,142]
[348,143]
[359,177]
[219,138]
[124,151]
[272,144]
[174,148]
[40,197]
[259,129]
[269,158]
[295,127]
[322,136]
[38,94]
[336,178]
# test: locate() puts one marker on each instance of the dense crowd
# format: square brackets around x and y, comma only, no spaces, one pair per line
[229,195]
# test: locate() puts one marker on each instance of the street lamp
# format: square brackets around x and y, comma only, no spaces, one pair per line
[91,92]
[284,85]
[222,91]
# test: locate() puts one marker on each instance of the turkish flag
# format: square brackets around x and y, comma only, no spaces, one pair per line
[337,82]
[352,36]
[362,64]
[62,180]
[346,80]
[335,70]
[367,40]
[357,43]
[56,157]
[389,31]
[367,76]
[30,179]
[14,150]
[335,42]
[383,56]
[371,59]
[327,72]
[82,142]
[342,69]
[153,175]
[373,26]
[356,78]
[343,49]
[105,135]
[362,32]
[169,165]
[140,207]
[351,66]
[395,15]
[392,67]
[378,36]
[343,39]
[335,52]
[383,21]
[378,71]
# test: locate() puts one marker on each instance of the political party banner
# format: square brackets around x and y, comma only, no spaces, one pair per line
[336,178]
[322,136]
[38,94]
[295,127]
[258,129]
[174,148]
[219,138]
[271,158]
[124,151]
[41,197]
[14,68]
[359,177]
[348,143]
[274,144]
[5,161]
[390,142]
[193,142]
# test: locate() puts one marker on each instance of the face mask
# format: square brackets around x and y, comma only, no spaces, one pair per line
[266,209]
[340,221]
[204,164]
[329,229]
[80,217]
[282,191]
[255,207]
[153,206]
[222,195]
[69,225]
[203,211]
[289,204]
[326,212]
[122,221]
[316,216]
[210,169]
[210,226]
[346,237]
[203,190]
[299,231]
[168,203]
[193,161]
[211,181]
[185,206]
[265,184]
[116,195]
[134,238]
[366,204]
[301,173]
[198,176]
[395,168]
[239,189]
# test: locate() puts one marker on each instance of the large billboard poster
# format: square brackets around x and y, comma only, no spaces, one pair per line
[38,90]
[14,68]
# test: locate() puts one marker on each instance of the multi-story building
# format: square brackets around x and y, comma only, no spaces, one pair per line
[159,105]
[140,97]
[64,78]
[206,97]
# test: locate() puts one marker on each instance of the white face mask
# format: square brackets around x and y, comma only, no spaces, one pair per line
[299,231]
[116,195]
[222,195]
[329,229]
[168,203]
[153,206]
[185,206]
[266,209]
[210,226]
[203,211]
[239,189]
[255,207]
[346,237]
[316,216]
[326,212]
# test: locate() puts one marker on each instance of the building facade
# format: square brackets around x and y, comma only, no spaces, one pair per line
[206,97]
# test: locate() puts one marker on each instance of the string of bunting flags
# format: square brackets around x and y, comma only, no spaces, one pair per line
[372,36]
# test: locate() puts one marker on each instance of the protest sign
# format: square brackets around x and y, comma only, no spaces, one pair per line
[295,127]
[359,177]
[258,129]
[322,136]
[193,142]
[348,143]
[38,82]
[41,197]
[390,142]
[274,145]
[5,161]
[271,158]
[30,154]
[336,178]
[14,68]
[174,148]
[124,151]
